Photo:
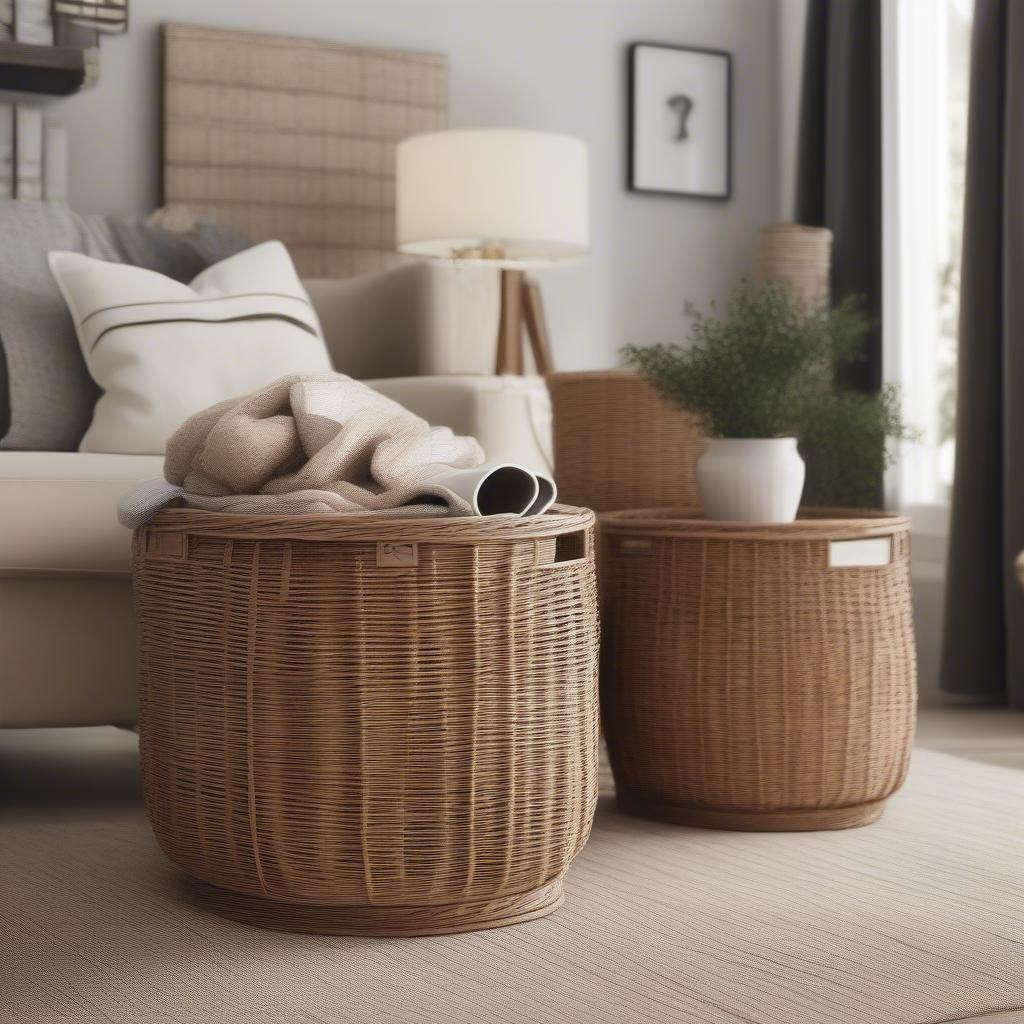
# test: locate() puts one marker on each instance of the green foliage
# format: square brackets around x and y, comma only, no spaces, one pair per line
[769,370]
[843,440]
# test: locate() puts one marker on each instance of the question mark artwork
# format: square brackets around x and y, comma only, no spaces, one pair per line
[683,106]
[680,109]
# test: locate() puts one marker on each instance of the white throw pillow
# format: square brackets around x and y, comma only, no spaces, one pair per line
[161,350]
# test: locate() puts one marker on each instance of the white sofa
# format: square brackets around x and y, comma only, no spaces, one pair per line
[67,637]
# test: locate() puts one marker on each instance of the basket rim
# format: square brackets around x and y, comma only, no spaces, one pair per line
[369,526]
[791,227]
[812,524]
[575,376]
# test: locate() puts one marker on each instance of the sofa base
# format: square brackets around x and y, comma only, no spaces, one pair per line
[69,651]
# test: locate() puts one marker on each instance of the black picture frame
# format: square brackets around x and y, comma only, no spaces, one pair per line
[635,55]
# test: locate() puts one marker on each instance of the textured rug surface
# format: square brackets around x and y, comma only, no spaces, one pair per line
[915,920]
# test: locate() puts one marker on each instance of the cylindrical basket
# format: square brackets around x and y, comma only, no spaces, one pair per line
[619,444]
[757,677]
[364,724]
[799,256]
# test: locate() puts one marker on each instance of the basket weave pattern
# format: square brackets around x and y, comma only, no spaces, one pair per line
[800,257]
[619,444]
[745,683]
[342,745]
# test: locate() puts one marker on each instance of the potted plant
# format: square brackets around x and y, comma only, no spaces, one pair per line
[763,381]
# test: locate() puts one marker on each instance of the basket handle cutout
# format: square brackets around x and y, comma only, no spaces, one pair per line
[568,547]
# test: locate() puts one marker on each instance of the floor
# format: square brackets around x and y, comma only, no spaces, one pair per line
[993,736]
[96,926]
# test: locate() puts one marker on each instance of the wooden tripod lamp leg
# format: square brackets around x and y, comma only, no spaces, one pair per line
[510,327]
[537,327]
[521,301]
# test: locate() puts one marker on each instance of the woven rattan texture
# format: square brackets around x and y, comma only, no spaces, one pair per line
[800,257]
[295,139]
[352,748]
[745,684]
[619,444]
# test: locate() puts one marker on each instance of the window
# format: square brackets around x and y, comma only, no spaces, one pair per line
[926,58]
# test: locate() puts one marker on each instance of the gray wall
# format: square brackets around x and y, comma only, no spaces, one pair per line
[557,65]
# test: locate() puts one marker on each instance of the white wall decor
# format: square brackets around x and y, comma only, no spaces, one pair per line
[680,112]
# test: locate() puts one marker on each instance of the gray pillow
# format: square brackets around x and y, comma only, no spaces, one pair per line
[177,254]
[48,399]
[5,405]
[50,394]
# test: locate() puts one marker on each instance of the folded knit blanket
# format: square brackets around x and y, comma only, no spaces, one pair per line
[325,443]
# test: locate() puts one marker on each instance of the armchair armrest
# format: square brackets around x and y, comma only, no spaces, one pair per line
[509,416]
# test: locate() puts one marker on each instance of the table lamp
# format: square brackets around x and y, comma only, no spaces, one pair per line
[508,198]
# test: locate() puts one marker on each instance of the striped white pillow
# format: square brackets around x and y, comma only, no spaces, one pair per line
[162,350]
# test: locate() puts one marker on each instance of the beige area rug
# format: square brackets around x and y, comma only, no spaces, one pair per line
[919,918]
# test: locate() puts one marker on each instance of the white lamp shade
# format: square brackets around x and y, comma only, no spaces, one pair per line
[505,196]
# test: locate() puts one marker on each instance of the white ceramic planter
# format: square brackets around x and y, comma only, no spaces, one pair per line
[756,480]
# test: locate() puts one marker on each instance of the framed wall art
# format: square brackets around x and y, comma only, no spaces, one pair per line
[680,121]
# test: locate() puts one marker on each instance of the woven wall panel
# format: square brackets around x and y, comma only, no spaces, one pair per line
[295,139]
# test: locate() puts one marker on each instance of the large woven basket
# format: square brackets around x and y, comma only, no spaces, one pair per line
[362,724]
[752,677]
[619,444]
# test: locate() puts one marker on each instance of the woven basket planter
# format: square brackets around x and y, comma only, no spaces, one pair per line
[750,679]
[363,724]
[801,257]
[619,444]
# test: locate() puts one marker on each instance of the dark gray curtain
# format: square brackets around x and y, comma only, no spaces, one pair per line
[983,647]
[839,165]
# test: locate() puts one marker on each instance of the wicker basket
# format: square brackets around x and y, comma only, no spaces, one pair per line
[750,680]
[363,724]
[619,444]
[799,256]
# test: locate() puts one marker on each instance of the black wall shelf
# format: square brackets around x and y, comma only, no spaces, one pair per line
[53,70]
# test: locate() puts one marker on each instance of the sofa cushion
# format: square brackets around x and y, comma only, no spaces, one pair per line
[163,351]
[49,393]
[47,398]
[59,510]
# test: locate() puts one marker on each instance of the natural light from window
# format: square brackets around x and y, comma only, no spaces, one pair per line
[926,45]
